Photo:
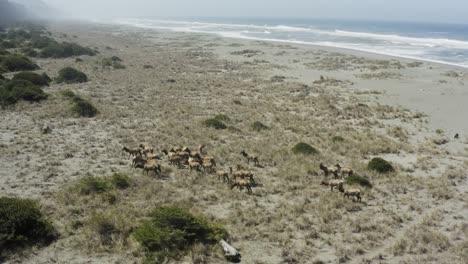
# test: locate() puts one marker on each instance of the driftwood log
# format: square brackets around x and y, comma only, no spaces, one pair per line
[230,252]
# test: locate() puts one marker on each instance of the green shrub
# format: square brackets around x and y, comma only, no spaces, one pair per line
[42,42]
[14,63]
[222,118]
[46,77]
[113,61]
[15,90]
[356,179]
[71,75]
[259,126]
[171,230]
[106,62]
[32,77]
[29,52]
[84,108]
[4,52]
[68,94]
[22,224]
[78,60]
[65,50]
[116,59]
[119,66]
[214,123]
[337,139]
[305,149]
[27,91]
[9,44]
[380,165]
[1,77]
[120,181]
[92,185]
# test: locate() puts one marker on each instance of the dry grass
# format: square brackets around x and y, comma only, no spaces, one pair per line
[289,217]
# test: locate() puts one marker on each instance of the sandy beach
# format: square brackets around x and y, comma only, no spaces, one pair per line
[351,106]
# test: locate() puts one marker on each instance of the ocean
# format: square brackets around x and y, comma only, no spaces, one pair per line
[435,42]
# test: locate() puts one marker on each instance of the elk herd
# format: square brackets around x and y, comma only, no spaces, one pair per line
[144,157]
[338,172]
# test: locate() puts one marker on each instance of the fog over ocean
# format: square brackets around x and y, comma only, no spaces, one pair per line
[443,43]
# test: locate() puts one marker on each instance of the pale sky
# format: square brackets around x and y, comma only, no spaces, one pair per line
[404,10]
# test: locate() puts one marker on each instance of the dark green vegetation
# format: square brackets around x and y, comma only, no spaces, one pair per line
[65,50]
[71,75]
[93,185]
[84,108]
[356,179]
[259,126]
[214,123]
[32,40]
[97,185]
[13,63]
[13,91]
[171,230]
[29,52]
[81,107]
[22,224]
[380,165]
[305,149]
[32,77]
[336,139]
[114,62]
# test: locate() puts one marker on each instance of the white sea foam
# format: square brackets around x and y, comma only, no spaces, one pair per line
[386,44]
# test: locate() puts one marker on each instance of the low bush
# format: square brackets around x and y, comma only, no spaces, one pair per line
[42,42]
[113,61]
[81,107]
[15,63]
[356,179]
[46,77]
[84,108]
[380,165]
[259,126]
[93,185]
[222,118]
[118,66]
[22,224]
[214,123]
[78,60]
[9,44]
[305,149]
[337,139]
[116,59]
[171,230]
[27,91]
[71,75]
[65,50]
[120,181]
[4,52]
[29,52]
[68,94]
[32,77]
[15,90]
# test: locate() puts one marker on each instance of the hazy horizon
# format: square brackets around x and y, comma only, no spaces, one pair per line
[449,11]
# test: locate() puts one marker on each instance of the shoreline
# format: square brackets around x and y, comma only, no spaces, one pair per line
[294,42]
